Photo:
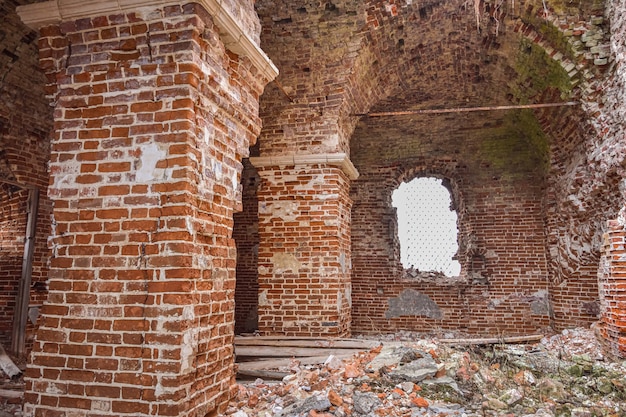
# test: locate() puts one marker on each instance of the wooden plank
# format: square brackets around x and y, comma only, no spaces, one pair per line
[7,393]
[7,365]
[20,316]
[264,374]
[325,343]
[492,340]
[285,362]
[288,351]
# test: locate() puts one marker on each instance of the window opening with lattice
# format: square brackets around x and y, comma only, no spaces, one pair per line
[427,226]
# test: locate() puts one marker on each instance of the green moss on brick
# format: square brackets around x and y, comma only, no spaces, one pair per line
[518,148]
[537,72]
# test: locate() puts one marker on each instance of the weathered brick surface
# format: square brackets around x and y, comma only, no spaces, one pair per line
[304,251]
[514,172]
[503,285]
[152,119]
[602,176]
[612,280]
[25,123]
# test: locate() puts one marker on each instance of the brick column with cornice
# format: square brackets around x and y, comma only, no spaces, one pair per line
[304,258]
[155,105]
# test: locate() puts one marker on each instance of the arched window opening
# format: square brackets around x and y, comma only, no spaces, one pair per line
[427,226]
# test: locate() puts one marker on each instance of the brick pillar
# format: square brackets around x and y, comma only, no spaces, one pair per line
[152,119]
[612,285]
[304,250]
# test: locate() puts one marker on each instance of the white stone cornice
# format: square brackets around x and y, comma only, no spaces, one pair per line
[38,15]
[341,160]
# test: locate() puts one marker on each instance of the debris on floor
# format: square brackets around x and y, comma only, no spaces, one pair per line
[562,375]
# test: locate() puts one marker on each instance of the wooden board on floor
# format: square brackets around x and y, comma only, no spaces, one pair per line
[306,342]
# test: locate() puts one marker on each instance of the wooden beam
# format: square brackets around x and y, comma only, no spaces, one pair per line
[20,317]
[262,373]
[7,365]
[306,342]
[492,340]
[283,362]
[17,184]
[467,109]
[289,351]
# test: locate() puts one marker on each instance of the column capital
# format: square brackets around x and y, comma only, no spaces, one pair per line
[342,160]
[235,39]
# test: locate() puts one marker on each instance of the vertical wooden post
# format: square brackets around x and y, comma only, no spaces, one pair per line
[18,345]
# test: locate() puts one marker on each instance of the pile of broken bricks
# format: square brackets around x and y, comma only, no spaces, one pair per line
[562,375]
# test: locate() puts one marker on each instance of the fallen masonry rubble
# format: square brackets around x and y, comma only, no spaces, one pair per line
[562,375]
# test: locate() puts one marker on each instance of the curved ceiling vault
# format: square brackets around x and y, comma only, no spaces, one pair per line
[341,58]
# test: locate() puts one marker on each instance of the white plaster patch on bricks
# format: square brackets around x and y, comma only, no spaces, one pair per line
[188,349]
[53,389]
[158,388]
[204,261]
[188,313]
[348,291]
[339,301]
[285,261]
[263,301]
[326,197]
[151,154]
[331,222]
[99,405]
[189,225]
[69,179]
[315,180]
[342,262]
[286,210]
[149,13]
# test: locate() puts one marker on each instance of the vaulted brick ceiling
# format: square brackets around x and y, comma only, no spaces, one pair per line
[402,55]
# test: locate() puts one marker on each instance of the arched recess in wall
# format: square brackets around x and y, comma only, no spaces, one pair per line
[246,235]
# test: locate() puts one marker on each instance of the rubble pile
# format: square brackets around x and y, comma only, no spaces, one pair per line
[562,375]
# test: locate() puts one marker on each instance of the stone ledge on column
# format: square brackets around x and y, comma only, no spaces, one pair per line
[38,15]
[341,160]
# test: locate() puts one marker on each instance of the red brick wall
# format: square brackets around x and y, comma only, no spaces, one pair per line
[12,233]
[152,119]
[304,254]
[25,123]
[503,286]
[612,282]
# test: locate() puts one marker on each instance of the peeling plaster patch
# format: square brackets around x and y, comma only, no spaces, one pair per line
[413,303]
[316,180]
[188,350]
[33,314]
[342,262]
[349,294]
[71,169]
[151,154]
[100,405]
[495,302]
[158,389]
[540,304]
[263,301]
[339,301]
[285,261]
[540,307]
[285,210]
[326,197]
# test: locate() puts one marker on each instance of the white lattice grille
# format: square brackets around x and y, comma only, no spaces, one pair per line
[426,226]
